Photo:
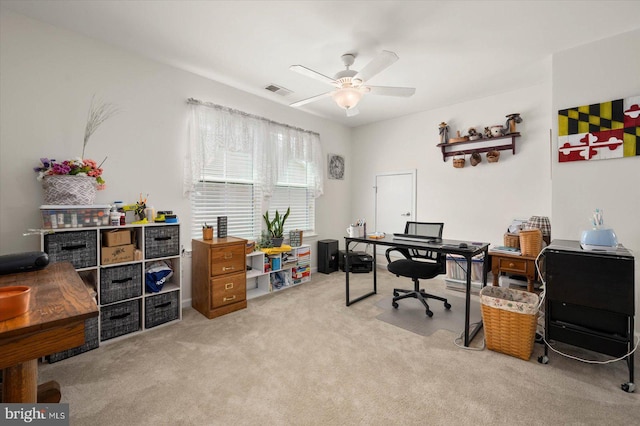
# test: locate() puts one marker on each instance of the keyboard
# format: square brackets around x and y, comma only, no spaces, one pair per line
[422,238]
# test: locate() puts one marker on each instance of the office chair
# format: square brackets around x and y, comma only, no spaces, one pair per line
[418,264]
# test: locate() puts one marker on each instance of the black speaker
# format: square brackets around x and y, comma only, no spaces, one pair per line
[23,262]
[327,256]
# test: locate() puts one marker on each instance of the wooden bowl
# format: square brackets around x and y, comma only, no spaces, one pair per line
[14,301]
[460,139]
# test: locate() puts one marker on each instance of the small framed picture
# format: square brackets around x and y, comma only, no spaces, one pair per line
[336,166]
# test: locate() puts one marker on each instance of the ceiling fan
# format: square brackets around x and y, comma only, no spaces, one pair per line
[350,84]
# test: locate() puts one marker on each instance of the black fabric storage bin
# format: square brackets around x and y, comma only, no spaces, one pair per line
[119,319]
[120,283]
[90,342]
[161,308]
[161,241]
[78,247]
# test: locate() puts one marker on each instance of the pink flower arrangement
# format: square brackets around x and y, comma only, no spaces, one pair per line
[73,167]
[98,113]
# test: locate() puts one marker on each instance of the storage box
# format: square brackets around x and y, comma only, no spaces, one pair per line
[77,247]
[117,254]
[161,308]
[161,241]
[120,283]
[457,265]
[116,237]
[119,319]
[55,217]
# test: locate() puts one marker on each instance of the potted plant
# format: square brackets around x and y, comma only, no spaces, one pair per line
[207,232]
[275,227]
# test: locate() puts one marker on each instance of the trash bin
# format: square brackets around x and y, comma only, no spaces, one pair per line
[510,319]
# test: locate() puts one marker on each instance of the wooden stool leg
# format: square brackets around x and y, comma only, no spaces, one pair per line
[20,382]
[49,393]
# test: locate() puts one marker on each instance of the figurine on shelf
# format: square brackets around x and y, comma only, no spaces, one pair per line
[497,131]
[473,134]
[444,132]
[512,119]
[487,132]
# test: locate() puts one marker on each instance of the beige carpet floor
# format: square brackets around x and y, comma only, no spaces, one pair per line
[301,357]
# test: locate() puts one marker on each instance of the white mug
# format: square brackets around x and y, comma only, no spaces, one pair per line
[354,231]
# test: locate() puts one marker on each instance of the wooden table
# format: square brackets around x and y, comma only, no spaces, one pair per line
[60,304]
[513,264]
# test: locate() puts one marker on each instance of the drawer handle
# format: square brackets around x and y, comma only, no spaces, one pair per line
[228,255]
[123,280]
[75,247]
[163,305]
[228,268]
[226,299]
[162,238]
[228,286]
[511,265]
[117,317]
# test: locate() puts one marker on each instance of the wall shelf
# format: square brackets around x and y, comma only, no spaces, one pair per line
[479,146]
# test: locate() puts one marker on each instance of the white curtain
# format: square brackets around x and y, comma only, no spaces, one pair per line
[213,128]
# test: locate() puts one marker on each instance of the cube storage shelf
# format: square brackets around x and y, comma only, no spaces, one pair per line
[271,273]
[116,278]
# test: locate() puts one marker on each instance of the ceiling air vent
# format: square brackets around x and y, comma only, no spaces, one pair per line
[279,90]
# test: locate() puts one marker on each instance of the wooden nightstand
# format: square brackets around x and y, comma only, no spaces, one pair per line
[513,264]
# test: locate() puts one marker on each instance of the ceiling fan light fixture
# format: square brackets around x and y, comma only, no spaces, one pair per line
[347,98]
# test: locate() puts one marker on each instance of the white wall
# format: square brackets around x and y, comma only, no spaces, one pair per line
[594,73]
[47,78]
[476,203]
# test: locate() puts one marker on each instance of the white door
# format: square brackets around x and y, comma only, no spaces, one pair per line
[395,200]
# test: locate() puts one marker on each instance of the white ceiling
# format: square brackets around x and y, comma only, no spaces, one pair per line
[450,51]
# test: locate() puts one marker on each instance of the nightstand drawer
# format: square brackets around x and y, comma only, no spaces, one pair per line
[513,265]
[228,289]
[227,260]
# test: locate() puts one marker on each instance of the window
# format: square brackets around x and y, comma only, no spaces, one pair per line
[240,166]
[293,190]
[227,189]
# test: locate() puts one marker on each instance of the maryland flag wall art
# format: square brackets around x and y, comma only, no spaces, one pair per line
[600,131]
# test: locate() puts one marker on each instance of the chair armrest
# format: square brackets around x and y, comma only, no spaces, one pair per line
[402,251]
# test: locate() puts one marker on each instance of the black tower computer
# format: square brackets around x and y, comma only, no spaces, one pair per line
[327,256]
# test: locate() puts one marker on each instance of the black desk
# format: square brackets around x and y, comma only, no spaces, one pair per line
[444,246]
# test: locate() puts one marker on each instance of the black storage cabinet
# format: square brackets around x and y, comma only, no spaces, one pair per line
[590,300]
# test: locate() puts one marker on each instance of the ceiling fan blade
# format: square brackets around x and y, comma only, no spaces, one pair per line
[309,100]
[379,63]
[352,112]
[392,91]
[313,74]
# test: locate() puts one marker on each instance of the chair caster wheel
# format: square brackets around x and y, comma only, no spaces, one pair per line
[394,304]
[447,305]
[628,387]
[429,313]
[543,359]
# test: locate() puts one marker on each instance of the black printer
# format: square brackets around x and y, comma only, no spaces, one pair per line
[359,261]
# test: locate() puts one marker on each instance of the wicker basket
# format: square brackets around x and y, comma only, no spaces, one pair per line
[510,320]
[458,163]
[475,159]
[493,156]
[512,240]
[530,242]
[67,190]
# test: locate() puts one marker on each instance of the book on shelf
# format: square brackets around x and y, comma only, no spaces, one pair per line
[505,249]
